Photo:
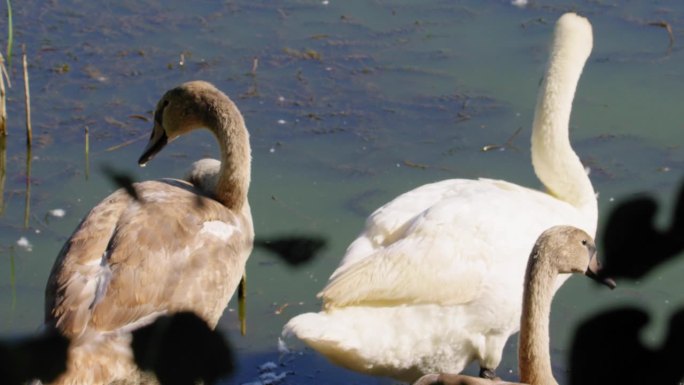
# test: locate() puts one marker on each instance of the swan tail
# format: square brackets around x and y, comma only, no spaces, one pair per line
[333,336]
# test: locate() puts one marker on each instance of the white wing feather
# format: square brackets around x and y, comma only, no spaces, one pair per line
[438,247]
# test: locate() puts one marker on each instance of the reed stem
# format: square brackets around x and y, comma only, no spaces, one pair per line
[27,99]
[27,202]
[10,33]
[242,304]
[3,97]
[13,281]
[87,153]
[3,171]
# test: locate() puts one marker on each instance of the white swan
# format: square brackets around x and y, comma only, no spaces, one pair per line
[173,249]
[558,250]
[435,280]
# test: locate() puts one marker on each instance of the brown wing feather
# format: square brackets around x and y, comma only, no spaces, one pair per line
[74,273]
[157,259]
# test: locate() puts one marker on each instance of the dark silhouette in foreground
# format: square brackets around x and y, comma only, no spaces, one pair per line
[608,348]
[623,358]
[121,180]
[40,357]
[295,250]
[633,245]
[182,349]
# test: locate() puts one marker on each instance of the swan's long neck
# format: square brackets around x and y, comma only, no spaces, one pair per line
[534,358]
[227,124]
[554,161]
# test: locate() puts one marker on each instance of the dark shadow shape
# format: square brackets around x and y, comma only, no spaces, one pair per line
[632,245]
[182,349]
[295,250]
[40,357]
[127,182]
[607,350]
[121,180]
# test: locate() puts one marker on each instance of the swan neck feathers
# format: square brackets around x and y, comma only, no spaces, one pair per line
[555,163]
[224,120]
[534,358]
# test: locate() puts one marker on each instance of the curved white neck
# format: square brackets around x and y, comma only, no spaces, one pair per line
[555,163]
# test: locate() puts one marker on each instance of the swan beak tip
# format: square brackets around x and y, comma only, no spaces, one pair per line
[157,141]
[594,272]
[610,282]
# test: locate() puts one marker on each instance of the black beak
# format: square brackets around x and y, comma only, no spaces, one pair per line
[594,272]
[157,141]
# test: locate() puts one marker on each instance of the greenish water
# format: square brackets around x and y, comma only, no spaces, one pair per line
[391,84]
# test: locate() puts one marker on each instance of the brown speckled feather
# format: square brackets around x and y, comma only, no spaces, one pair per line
[129,260]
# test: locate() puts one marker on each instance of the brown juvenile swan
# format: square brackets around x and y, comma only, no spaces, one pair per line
[559,250]
[175,248]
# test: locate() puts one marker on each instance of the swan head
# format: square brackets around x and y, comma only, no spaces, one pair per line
[180,110]
[568,249]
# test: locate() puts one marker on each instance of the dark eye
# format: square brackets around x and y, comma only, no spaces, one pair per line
[584,242]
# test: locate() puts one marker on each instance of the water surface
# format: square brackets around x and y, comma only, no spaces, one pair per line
[351,103]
